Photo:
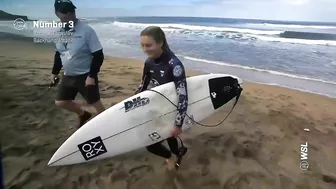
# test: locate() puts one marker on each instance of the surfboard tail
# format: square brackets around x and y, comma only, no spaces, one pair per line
[224,89]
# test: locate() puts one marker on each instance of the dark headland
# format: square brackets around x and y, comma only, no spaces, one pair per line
[7,16]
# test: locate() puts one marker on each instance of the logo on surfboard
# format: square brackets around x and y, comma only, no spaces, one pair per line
[155,136]
[135,103]
[189,121]
[213,94]
[92,148]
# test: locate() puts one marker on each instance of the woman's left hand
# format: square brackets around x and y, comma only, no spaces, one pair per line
[89,81]
[176,131]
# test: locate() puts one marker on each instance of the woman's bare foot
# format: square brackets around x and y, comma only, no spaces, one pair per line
[170,164]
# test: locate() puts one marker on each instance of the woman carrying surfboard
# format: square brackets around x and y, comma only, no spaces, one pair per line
[162,66]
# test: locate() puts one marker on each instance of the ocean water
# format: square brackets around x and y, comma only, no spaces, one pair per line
[297,55]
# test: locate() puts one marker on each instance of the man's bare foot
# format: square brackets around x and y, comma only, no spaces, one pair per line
[170,164]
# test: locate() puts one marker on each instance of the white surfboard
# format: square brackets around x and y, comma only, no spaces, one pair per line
[144,119]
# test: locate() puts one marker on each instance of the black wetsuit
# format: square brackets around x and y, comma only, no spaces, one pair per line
[167,68]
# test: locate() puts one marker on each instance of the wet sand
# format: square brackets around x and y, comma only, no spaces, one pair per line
[258,147]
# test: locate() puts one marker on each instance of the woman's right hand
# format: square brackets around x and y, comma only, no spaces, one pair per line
[137,91]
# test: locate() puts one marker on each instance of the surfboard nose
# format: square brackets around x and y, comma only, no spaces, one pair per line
[51,161]
[57,158]
[223,89]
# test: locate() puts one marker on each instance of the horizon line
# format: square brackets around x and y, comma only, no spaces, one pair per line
[255,19]
[213,17]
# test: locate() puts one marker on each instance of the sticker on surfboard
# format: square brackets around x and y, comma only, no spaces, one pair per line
[155,136]
[92,148]
[135,103]
[189,121]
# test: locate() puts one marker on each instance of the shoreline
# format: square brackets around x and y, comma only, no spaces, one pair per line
[296,89]
[10,36]
[245,80]
[274,78]
[258,146]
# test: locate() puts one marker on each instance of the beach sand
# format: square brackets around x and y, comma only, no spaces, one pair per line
[258,147]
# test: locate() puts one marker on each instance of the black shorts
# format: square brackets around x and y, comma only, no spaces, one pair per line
[71,85]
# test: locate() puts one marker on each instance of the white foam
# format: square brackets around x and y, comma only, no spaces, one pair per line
[259,34]
[299,26]
[295,88]
[88,19]
[333,63]
[297,41]
[198,28]
[259,70]
[104,28]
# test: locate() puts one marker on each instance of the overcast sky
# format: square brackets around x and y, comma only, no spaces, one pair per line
[308,10]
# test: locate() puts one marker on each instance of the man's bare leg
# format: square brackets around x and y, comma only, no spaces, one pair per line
[70,106]
[99,106]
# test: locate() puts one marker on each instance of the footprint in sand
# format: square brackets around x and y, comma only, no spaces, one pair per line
[26,179]
[329,179]
[74,185]
[228,144]
[111,91]
[203,160]
[37,162]
[97,184]
[118,176]
[137,174]
[15,151]
[249,149]
[101,184]
[140,170]
[198,181]
[84,181]
[249,180]
[286,182]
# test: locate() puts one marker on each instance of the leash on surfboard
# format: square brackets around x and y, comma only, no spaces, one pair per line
[237,95]
[182,151]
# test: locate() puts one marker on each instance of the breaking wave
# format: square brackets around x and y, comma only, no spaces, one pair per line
[241,33]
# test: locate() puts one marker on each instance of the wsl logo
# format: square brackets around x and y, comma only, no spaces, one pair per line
[135,103]
[304,157]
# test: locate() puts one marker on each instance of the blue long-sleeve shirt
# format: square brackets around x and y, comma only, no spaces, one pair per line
[167,68]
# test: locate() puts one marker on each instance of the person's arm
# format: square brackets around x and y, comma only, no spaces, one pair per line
[96,50]
[57,64]
[145,79]
[97,61]
[181,90]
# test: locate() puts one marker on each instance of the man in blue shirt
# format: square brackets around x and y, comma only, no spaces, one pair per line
[81,58]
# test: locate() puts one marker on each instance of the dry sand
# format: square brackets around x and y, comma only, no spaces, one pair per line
[258,147]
